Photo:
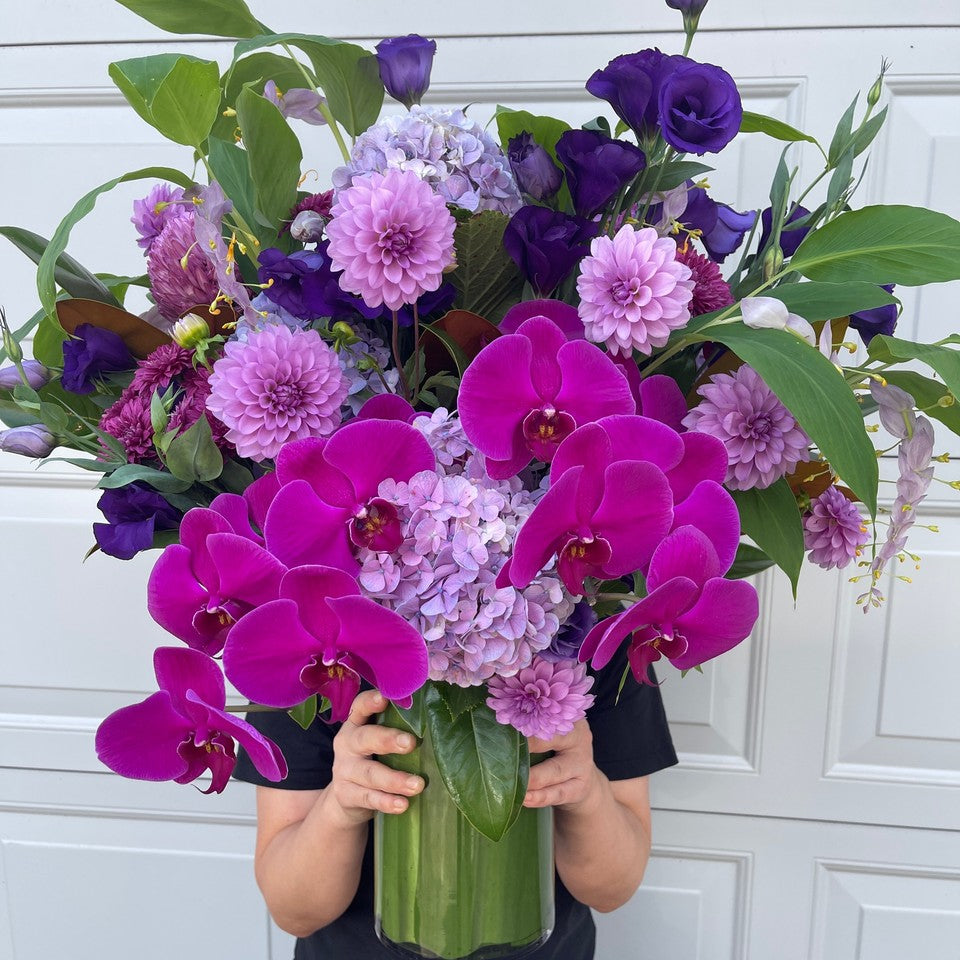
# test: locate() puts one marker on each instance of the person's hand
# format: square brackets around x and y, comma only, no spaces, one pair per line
[360,785]
[569,779]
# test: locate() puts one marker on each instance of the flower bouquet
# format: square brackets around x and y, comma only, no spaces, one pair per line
[475,417]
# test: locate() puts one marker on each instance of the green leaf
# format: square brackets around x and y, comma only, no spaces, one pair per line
[748,562]
[816,394]
[883,244]
[943,359]
[13,415]
[235,477]
[254,71]
[545,130]
[158,479]
[758,123]
[305,713]
[827,301]
[46,269]
[192,455]
[927,393]
[840,180]
[771,519]
[678,172]
[410,718]
[459,699]
[841,136]
[487,280]
[231,170]
[68,273]
[274,156]
[868,132]
[48,342]
[219,18]
[483,764]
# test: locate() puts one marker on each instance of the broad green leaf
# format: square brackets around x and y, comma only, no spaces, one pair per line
[758,123]
[158,479]
[748,562]
[943,359]
[46,269]
[274,156]
[254,71]
[927,393]
[545,130]
[868,132]
[231,170]
[771,519]
[482,763]
[235,477]
[487,280]
[139,77]
[186,104]
[459,699]
[219,18]
[678,172]
[883,244]
[68,273]
[13,415]
[48,343]
[841,136]
[410,718]
[460,359]
[192,455]
[816,394]
[826,301]
[305,713]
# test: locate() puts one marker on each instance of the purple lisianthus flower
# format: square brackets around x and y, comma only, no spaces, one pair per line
[322,637]
[789,239]
[151,214]
[718,227]
[134,513]
[833,530]
[35,372]
[689,7]
[597,167]
[543,700]
[90,353]
[700,108]
[631,84]
[533,169]
[183,730]
[298,103]
[405,64]
[566,644]
[546,245]
[868,323]
[32,440]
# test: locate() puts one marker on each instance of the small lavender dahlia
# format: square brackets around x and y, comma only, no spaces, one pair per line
[543,700]
[633,291]
[277,385]
[180,275]
[392,237]
[833,530]
[763,440]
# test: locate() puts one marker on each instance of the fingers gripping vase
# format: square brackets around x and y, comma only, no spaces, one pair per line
[443,890]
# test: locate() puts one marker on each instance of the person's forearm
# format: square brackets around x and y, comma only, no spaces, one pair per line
[601,848]
[310,871]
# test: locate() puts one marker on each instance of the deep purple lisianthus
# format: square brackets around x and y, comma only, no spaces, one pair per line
[431,303]
[597,167]
[547,245]
[183,730]
[533,169]
[543,700]
[35,372]
[789,239]
[833,530]
[566,644]
[151,214]
[321,637]
[690,7]
[700,108]
[868,323]
[719,227]
[134,513]
[405,64]
[631,84]
[90,353]
[32,440]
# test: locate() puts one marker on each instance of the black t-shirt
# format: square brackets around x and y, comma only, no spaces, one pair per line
[630,739]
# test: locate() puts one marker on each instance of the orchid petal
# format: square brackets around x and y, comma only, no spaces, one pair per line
[592,387]
[307,460]
[247,571]
[340,685]
[640,438]
[579,560]
[546,339]
[687,552]
[174,596]
[704,458]
[259,495]
[587,447]
[266,756]
[235,509]
[562,314]
[195,527]
[661,399]
[309,587]
[179,669]
[641,655]
[386,406]
[723,616]
[711,509]
[505,469]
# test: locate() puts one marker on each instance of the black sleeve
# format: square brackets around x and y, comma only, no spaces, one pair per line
[631,737]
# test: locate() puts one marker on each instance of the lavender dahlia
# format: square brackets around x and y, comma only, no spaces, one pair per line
[633,291]
[833,530]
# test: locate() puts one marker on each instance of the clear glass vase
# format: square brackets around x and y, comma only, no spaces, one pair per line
[443,890]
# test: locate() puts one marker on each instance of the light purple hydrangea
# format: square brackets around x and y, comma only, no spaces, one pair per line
[456,156]
[151,214]
[833,530]
[764,442]
[543,700]
[459,527]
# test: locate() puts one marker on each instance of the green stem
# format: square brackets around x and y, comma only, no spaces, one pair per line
[668,156]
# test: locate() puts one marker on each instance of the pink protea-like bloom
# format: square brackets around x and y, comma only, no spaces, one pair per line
[180,275]
[128,420]
[166,362]
[711,291]
[633,291]
[762,438]
[833,530]
[392,237]
[278,385]
[543,700]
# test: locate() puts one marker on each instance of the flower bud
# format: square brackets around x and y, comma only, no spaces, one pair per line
[536,174]
[772,262]
[189,331]
[9,341]
[307,226]
[405,64]
[35,372]
[34,440]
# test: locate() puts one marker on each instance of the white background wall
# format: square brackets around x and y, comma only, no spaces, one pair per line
[815,811]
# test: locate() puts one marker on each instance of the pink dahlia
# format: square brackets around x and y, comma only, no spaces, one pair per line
[278,385]
[392,237]
[633,291]
[833,530]
[711,291]
[762,438]
[180,275]
[543,700]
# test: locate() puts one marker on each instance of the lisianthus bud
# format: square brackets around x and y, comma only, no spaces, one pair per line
[692,7]
[190,330]
[772,262]
[405,64]
[34,440]
[9,341]
[307,226]
[35,372]
[536,174]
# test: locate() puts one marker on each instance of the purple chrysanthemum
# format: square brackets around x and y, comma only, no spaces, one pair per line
[151,214]
[128,420]
[278,385]
[157,370]
[763,440]
[711,291]
[543,700]
[833,530]
[633,291]
[180,275]
[392,237]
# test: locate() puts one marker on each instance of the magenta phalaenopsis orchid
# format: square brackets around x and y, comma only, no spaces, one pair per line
[526,392]
[182,730]
[321,637]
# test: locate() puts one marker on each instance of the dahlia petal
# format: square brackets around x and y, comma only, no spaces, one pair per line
[592,387]
[301,528]
[723,616]
[179,669]
[711,509]
[661,399]
[248,572]
[174,596]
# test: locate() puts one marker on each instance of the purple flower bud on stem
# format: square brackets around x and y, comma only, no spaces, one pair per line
[405,64]
[35,372]
[33,440]
[536,174]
